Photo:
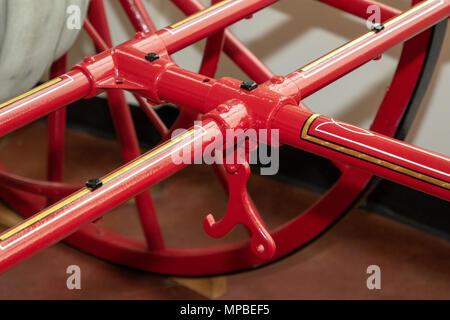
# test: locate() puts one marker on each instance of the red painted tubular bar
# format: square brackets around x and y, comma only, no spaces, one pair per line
[138,15]
[380,155]
[341,61]
[75,85]
[84,206]
[233,47]
[42,100]
[359,8]
[198,26]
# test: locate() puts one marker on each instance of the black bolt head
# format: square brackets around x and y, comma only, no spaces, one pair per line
[249,85]
[94,184]
[377,27]
[152,56]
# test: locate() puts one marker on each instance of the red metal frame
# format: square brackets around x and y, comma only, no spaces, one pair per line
[275,104]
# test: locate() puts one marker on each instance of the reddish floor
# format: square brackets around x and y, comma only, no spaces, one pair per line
[413,264]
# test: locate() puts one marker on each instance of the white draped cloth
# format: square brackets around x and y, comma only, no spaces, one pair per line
[33,33]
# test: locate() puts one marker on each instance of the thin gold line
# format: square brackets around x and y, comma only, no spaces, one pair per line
[372,159]
[408,12]
[32,91]
[308,124]
[147,156]
[364,37]
[85,191]
[198,14]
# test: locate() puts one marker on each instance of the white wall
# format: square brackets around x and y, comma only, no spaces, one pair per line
[290,34]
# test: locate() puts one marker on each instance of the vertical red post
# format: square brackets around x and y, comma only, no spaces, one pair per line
[126,134]
[56,127]
[138,15]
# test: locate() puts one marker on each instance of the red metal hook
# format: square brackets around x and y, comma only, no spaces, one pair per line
[241,210]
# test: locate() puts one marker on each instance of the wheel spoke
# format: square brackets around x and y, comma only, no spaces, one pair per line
[56,190]
[359,8]
[210,62]
[126,133]
[214,45]
[211,55]
[95,36]
[128,141]
[153,117]
[236,256]
[56,127]
[245,59]
[220,172]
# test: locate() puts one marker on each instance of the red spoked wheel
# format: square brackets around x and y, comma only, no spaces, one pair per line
[393,118]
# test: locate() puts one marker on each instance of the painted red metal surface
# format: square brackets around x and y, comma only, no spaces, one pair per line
[233,47]
[380,155]
[68,88]
[84,206]
[241,210]
[213,49]
[186,32]
[126,135]
[56,126]
[273,105]
[138,15]
[336,64]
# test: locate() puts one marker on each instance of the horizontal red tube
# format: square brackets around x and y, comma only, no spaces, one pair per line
[42,100]
[380,155]
[359,8]
[138,15]
[341,61]
[84,206]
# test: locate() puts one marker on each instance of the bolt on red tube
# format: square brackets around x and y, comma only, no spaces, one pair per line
[88,204]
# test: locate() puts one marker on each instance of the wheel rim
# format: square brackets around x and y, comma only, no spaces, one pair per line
[417,59]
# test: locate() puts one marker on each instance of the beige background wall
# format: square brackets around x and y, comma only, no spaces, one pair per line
[294,32]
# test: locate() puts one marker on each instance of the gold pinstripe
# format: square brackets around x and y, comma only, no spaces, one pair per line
[366,36]
[200,13]
[369,158]
[32,91]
